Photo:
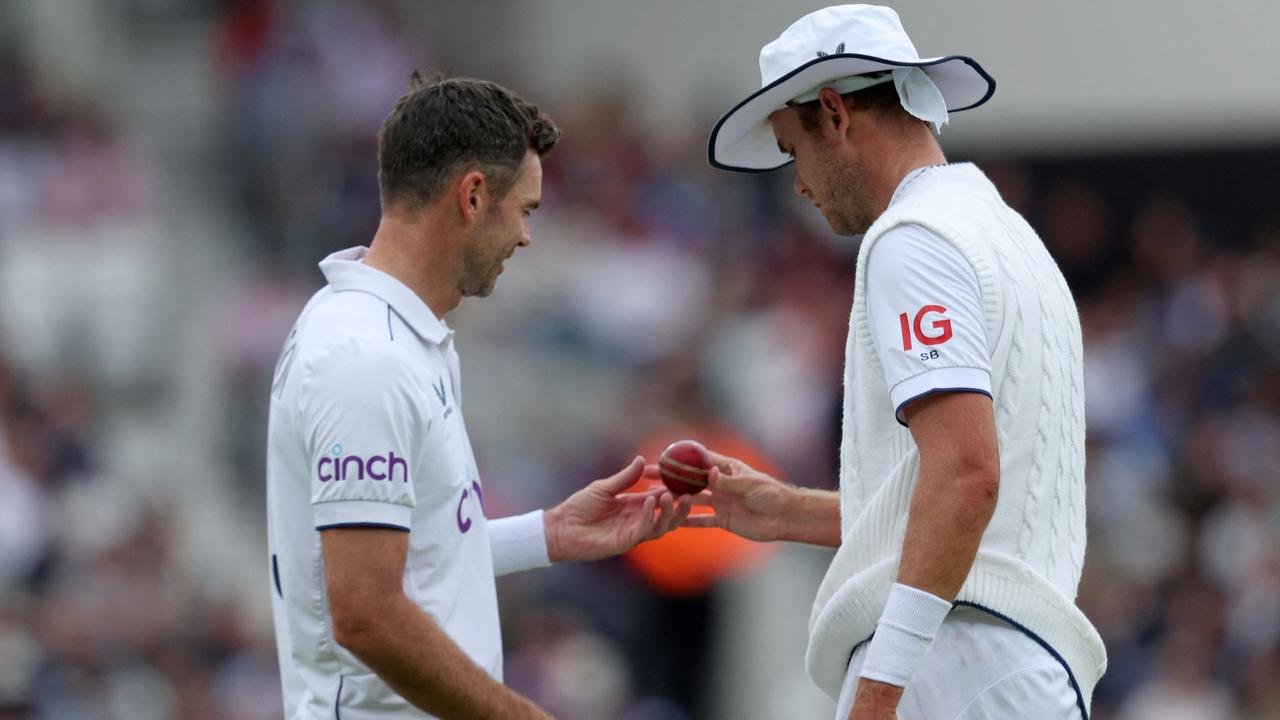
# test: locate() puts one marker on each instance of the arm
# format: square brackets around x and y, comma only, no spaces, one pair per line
[956,494]
[758,507]
[950,509]
[375,621]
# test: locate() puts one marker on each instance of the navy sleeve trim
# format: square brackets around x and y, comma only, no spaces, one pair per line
[898,413]
[386,526]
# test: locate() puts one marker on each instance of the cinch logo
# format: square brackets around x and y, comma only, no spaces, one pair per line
[943,327]
[357,467]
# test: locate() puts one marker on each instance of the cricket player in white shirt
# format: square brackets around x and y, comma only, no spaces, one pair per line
[960,518]
[382,560]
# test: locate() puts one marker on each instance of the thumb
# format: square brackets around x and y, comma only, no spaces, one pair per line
[625,478]
[713,478]
[724,462]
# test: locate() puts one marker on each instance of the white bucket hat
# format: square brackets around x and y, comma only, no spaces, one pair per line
[827,48]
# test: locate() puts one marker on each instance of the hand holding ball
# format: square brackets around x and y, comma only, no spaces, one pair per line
[684,467]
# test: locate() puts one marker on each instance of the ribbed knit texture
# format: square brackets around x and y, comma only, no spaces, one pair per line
[1029,562]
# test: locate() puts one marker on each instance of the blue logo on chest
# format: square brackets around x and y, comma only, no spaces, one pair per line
[440,394]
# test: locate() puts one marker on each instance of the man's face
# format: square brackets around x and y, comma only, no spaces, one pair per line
[828,172]
[502,229]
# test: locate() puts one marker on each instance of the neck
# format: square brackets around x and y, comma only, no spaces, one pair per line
[916,150]
[414,250]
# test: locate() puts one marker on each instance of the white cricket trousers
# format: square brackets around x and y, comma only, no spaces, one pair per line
[978,668]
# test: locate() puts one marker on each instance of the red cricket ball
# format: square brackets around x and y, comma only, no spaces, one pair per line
[684,467]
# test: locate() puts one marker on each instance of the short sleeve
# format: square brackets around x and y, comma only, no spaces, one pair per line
[359,419]
[924,305]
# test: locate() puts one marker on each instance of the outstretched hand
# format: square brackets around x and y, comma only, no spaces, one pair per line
[745,501]
[602,520]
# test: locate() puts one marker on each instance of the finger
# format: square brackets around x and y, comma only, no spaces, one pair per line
[724,462]
[624,478]
[668,520]
[666,501]
[652,507]
[718,479]
[637,497]
[682,509]
[699,521]
[702,499]
[652,472]
[665,509]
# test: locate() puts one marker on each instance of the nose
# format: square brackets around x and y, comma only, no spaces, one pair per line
[798,186]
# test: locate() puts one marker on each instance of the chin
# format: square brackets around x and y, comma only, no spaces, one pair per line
[847,228]
[844,229]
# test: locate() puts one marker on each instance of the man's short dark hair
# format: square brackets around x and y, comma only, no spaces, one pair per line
[449,125]
[881,99]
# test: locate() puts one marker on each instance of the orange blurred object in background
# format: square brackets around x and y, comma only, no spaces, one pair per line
[688,561]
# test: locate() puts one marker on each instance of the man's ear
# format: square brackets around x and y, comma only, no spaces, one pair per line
[472,195]
[835,114]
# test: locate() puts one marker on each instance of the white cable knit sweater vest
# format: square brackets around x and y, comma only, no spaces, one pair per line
[1028,564]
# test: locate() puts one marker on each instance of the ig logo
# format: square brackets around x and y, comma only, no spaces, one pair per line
[940,327]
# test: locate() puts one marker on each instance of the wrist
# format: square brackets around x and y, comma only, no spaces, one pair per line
[907,626]
[551,529]
[869,689]
[811,516]
[791,526]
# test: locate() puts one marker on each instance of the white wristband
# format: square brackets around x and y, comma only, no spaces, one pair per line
[518,543]
[910,620]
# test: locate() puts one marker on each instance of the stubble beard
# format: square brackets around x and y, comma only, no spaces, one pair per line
[479,275]
[479,269]
[849,214]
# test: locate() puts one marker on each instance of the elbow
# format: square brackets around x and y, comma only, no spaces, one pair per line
[355,629]
[981,485]
[352,633]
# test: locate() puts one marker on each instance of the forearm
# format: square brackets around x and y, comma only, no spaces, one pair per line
[813,517]
[948,515]
[406,648]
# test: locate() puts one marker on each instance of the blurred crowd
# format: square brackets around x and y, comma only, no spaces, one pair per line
[658,297]
[99,619]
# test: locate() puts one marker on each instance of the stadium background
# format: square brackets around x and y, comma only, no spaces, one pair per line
[171,171]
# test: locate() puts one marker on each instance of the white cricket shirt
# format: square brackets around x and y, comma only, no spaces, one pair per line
[366,429]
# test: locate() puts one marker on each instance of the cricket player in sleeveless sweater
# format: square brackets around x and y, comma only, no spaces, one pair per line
[382,560]
[960,519]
